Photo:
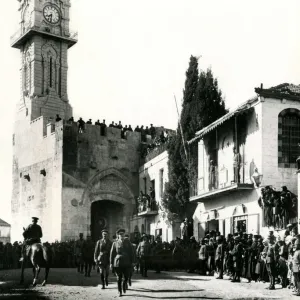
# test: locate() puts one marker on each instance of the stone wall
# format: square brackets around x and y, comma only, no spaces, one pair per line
[37,180]
[273,175]
[96,168]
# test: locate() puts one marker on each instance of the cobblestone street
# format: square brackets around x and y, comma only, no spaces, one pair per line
[67,284]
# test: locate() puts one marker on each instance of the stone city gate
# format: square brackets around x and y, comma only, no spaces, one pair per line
[110,202]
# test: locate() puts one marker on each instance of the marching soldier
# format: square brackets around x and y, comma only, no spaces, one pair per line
[87,255]
[101,256]
[32,234]
[143,252]
[121,258]
[78,253]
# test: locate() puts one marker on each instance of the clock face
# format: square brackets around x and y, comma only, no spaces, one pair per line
[51,14]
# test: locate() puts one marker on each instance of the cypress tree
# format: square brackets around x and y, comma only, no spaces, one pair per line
[202,104]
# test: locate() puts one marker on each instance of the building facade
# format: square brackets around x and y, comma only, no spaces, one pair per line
[4,232]
[150,217]
[75,181]
[250,148]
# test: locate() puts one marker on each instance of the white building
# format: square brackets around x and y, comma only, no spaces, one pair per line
[265,130]
[152,221]
[4,232]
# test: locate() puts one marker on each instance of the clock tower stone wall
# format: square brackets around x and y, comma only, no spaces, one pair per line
[37,138]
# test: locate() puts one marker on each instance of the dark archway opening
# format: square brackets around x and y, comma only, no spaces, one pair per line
[108,215]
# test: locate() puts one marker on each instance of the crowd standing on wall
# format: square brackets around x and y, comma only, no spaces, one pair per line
[241,255]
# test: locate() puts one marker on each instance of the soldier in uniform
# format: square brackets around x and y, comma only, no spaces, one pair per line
[121,258]
[78,253]
[237,253]
[143,251]
[87,255]
[220,254]
[271,259]
[32,234]
[101,256]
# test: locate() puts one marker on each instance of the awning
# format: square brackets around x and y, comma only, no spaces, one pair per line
[241,109]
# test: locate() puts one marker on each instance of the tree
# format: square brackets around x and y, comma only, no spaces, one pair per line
[202,105]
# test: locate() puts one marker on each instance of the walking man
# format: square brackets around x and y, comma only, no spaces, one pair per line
[121,258]
[101,257]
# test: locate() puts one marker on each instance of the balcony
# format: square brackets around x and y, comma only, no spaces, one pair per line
[17,39]
[215,184]
[147,206]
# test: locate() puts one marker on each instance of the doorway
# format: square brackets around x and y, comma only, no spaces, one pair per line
[108,215]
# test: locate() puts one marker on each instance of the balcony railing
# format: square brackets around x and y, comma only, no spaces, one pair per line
[17,38]
[216,182]
[147,206]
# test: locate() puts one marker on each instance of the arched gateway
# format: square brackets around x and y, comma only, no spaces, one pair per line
[110,201]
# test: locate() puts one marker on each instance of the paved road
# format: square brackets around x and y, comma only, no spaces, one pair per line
[67,284]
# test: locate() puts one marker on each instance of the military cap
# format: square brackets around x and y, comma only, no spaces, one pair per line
[256,236]
[120,231]
[219,238]
[35,218]
[104,230]
[289,225]
[80,233]
[126,235]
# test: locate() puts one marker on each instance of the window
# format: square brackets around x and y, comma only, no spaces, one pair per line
[288,137]
[161,182]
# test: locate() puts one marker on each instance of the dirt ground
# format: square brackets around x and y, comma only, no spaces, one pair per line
[67,284]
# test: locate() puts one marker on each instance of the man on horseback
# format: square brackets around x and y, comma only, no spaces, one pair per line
[32,234]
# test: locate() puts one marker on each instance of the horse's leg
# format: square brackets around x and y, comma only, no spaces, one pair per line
[46,275]
[37,271]
[22,271]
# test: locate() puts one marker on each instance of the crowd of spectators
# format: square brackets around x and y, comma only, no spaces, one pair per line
[239,255]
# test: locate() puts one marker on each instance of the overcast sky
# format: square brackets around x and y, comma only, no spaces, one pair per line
[132,56]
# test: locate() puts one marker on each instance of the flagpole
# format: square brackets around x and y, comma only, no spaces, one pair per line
[179,123]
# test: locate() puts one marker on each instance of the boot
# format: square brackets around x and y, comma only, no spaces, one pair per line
[129,281]
[124,286]
[102,280]
[106,280]
[120,288]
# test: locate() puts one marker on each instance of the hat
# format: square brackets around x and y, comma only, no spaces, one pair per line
[35,218]
[289,225]
[126,235]
[104,230]
[219,238]
[256,236]
[120,231]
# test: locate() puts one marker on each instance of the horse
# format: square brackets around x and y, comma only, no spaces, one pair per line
[39,256]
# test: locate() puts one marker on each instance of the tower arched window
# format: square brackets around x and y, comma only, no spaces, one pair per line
[288,137]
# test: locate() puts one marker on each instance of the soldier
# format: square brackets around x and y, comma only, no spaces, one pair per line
[126,237]
[87,255]
[282,263]
[97,122]
[130,128]
[78,253]
[101,256]
[237,253]
[89,122]
[220,254]
[58,118]
[121,259]
[271,259]
[143,252]
[32,234]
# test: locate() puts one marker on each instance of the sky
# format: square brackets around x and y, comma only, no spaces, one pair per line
[131,58]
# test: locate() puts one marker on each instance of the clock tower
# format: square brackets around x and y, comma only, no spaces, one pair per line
[44,38]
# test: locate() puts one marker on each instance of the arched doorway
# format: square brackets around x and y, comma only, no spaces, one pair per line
[106,214]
